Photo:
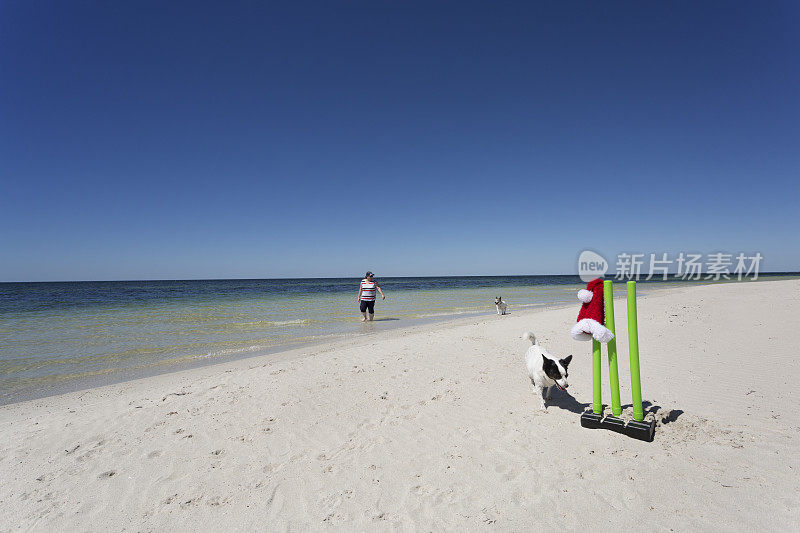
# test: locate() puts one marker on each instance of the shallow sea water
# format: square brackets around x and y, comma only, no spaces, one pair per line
[62,336]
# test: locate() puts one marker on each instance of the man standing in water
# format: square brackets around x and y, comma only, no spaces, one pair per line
[366,296]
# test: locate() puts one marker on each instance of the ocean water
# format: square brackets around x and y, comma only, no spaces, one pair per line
[56,337]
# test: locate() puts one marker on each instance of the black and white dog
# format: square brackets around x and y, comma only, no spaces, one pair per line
[545,370]
[500,305]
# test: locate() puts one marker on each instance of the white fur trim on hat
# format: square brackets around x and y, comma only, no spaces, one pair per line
[586,329]
[585,296]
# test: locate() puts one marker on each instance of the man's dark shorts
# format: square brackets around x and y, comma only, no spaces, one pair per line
[368,305]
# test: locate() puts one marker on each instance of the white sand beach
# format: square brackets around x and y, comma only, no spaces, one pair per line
[434,428]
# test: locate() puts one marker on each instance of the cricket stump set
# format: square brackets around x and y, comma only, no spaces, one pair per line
[637,428]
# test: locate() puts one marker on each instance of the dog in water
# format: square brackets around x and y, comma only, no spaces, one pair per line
[545,370]
[500,305]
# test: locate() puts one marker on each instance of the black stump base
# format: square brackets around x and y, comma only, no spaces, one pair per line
[644,430]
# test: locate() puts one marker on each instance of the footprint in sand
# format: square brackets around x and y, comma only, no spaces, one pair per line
[88,455]
[181,393]
[217,501]
[72,450]
[192,501]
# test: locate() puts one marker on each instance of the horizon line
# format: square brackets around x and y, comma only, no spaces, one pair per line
[656,278]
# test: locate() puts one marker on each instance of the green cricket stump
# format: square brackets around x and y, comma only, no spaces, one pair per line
[637,428]
[613,371]
[633,349]
[597,379]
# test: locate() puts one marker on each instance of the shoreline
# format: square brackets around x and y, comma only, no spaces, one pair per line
[280,352]
[276,354]
[117,376]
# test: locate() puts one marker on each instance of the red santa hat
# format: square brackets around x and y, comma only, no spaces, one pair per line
[591,319]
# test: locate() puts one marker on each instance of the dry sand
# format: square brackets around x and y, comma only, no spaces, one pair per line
[434,428]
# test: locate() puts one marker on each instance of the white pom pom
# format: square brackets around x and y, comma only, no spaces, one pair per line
[585,296]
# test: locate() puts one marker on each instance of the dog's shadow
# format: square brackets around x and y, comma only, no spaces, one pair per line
[564,400]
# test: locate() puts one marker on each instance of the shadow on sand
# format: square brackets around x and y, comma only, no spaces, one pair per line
[566,401]
[661,415]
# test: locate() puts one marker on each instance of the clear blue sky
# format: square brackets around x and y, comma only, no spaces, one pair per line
[283,139]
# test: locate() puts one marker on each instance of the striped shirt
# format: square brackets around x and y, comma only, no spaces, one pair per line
[368,289]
